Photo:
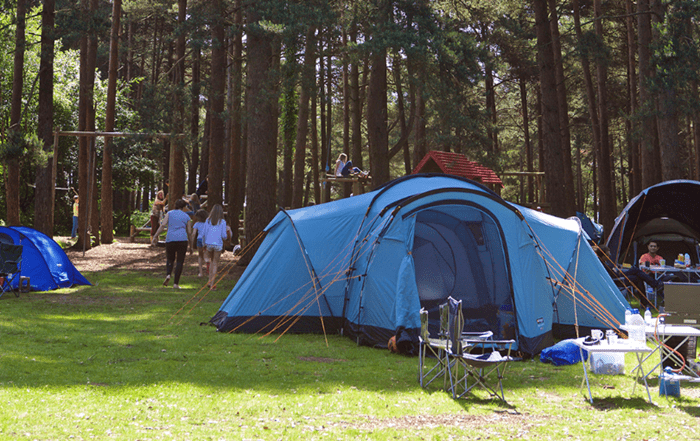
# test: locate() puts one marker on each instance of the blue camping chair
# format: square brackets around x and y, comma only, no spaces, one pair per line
[10,266]
[435,348]
[484,366]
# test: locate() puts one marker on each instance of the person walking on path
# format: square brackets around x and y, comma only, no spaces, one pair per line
[74,231]
[157,213]
[177,223]
[197,235]
[215,233]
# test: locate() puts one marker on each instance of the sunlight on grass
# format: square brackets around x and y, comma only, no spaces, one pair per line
[118,361]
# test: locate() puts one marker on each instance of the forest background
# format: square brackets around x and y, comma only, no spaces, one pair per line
[262,96]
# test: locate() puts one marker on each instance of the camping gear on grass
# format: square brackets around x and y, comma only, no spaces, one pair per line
[10,266]
[364,266]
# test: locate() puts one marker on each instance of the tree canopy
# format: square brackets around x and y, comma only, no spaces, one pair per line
[601,97]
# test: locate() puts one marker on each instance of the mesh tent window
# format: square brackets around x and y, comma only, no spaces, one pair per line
[459,251]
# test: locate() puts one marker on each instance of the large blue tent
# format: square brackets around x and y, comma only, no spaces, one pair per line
[43,260]
[364,266]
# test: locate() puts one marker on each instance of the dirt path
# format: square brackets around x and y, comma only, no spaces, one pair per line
[137,256]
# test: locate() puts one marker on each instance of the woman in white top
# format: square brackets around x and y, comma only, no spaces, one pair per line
[340,164]
[215,232]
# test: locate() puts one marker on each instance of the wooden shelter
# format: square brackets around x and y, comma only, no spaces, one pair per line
[458,165]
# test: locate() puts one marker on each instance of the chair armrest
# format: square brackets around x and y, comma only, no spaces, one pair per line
[477,335]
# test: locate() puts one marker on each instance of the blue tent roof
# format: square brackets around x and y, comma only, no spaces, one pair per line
[367,264]
[43,260]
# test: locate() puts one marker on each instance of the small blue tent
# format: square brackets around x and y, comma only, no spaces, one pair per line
[43,260]
[364,266]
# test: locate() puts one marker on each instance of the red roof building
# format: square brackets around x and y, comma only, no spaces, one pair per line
[458,165]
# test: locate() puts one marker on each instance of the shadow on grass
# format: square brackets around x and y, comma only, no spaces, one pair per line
[621,402]
[129,331]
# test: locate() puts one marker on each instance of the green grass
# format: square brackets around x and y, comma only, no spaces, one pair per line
[118,361]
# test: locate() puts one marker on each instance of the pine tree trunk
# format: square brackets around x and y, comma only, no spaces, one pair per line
[559,190]
[635,181]
[307,82]
[194,121]
[377,129]
[529,160]
[346,93]
[94,212]
[106,207]
[561,97]
[491,108]
[667,105]
[315,164]
[289,118]
[608,209]
[12,181]
[235,190]
[45,176]
[404,127]
[648,157]
[355,106]
[86,165]
[696,136]
[177,155]
[420,148]
[217,97]
[206,141]
[261,102]
[83,150]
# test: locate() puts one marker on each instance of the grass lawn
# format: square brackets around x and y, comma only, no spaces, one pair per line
[129,359]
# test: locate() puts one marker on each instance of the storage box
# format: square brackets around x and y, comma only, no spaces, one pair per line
[669,385]
[24,285]
[682,302]
[609,363]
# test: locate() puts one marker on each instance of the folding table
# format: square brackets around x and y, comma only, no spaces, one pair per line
[660,335]
[620,346]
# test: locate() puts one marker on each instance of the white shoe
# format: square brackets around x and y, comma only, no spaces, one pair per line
[176,286]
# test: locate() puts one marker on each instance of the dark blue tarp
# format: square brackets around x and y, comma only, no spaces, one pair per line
[43,260]
[594,231]
[563,353]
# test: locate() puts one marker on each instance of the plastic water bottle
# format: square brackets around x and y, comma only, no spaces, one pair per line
[687,260]
[628,314]
[647,316]
[636,329]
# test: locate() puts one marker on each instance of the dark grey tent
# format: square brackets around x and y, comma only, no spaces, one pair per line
[666,213]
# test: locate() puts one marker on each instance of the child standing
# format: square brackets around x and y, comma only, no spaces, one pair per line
[74,231]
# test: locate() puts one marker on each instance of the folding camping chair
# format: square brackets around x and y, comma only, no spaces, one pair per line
[465,335]
[481,367]
[10,266]
[434,348]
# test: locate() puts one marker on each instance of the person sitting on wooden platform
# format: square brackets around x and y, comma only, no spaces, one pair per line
[340,165]
[350,171]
